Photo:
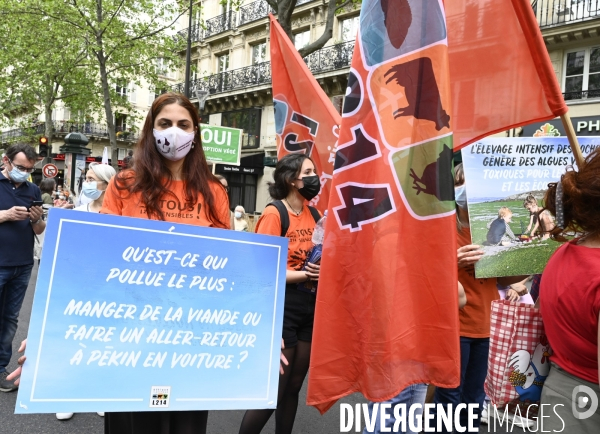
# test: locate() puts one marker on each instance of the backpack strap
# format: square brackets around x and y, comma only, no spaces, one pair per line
[283,216]
[314,213]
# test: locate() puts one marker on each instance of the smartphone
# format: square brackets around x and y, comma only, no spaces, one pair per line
[35,203]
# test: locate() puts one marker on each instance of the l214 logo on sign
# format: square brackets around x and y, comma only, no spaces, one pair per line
[160,396]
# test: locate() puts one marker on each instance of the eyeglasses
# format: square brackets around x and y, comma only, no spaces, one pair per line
[22,168]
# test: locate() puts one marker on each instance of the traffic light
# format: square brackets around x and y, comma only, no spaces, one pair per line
[43,147]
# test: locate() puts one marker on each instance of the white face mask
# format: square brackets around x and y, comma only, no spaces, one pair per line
[238,215]
[173,143]
[460,194]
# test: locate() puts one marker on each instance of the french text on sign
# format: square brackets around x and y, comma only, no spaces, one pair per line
[201,308]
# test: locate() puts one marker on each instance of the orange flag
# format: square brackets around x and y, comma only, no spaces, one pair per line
[305,120]
[501,75]
[387,308]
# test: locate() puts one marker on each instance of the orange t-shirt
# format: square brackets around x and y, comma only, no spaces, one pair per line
[299,233]
[475,316]
[120,202]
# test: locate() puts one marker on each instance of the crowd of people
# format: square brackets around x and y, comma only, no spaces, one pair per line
[569,293]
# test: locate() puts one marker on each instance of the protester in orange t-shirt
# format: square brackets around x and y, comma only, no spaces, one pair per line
[170,180]
[295,183]
[474,317]
[299,234]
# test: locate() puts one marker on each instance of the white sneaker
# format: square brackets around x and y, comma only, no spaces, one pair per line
[100,413]
[64,416]
[484,415]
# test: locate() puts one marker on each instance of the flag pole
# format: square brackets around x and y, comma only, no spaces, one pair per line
[566,120]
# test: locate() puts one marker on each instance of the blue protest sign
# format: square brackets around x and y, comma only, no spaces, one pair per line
[141,315]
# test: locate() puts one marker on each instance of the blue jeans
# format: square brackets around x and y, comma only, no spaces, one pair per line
[414,394]
[473,370]
[13,285]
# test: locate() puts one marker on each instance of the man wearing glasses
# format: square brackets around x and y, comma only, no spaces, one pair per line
[20,221]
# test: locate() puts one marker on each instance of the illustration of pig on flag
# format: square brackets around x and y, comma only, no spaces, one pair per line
[387,308]
[305,119]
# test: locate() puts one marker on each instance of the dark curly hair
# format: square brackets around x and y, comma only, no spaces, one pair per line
[581,199]
[287,169]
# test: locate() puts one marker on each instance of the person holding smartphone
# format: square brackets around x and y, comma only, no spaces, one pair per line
[20,221]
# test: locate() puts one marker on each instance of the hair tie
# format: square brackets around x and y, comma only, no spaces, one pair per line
[560,210]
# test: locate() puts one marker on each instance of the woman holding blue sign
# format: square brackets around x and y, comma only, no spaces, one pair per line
[170,181]
[295,183]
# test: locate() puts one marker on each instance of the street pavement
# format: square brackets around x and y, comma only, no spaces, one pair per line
[308,420]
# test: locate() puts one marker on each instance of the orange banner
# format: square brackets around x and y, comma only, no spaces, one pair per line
[387,308]
[387,305]
[305,120]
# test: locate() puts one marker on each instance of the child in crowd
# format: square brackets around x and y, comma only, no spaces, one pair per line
[540,219]
[499,232]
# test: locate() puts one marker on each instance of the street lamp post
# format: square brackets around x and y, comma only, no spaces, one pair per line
[188,54]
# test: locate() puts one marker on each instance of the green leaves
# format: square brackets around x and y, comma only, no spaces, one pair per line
[77,50]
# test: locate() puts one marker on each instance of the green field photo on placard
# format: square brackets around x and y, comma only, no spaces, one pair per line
[528,257]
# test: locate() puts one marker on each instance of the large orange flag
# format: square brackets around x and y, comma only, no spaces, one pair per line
[305,120]
[387,310]
[500,73]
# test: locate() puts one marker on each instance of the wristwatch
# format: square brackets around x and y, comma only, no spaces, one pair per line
[35,222]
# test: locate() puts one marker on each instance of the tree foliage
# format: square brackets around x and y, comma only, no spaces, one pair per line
[121,42]
[285,9]
[42,65]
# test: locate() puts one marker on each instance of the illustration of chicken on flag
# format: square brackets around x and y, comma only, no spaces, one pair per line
[305,119]
[387,307]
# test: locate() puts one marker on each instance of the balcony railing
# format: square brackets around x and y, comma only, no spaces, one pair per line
[330,58]
[16,133]
[248,13]
[62,128]
[584,94]
[219,24]
[556,12]
[92,129]
[197,33]
[240,78]
[254,11]
[326,59]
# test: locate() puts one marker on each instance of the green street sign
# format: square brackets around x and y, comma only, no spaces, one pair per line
[221,144]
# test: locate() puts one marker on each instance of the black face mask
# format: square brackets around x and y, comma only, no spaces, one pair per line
[312,187]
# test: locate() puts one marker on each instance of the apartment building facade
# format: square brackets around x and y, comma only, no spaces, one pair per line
[571,31]
[231,62]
